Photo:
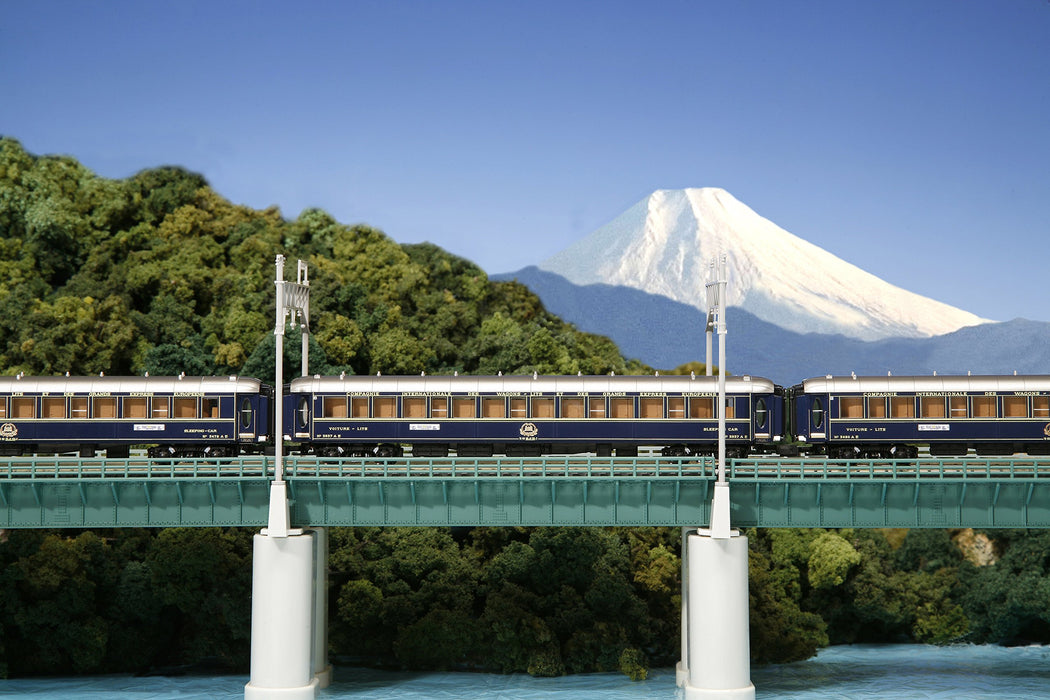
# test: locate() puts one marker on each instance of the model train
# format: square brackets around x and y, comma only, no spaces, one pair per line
[434,416]
[174,416]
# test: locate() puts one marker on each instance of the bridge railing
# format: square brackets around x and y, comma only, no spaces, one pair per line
[556,467]
[881,469]
[78,468]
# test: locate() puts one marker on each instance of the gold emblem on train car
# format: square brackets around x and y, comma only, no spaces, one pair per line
[8,430]
[1046,430]
[529,431]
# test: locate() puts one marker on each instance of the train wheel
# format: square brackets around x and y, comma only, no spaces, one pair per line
[674,451]
[388,451]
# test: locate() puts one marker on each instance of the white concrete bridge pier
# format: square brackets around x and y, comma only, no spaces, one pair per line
[283,615]
[716,662]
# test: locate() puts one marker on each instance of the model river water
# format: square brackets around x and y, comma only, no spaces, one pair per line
[866,672]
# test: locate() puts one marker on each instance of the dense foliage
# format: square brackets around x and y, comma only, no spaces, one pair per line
[545,601]
[158,273]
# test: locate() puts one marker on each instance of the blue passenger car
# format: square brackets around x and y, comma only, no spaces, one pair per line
[890,416]
[174,416]
[529,415]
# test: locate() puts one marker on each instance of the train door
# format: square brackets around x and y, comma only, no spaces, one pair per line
[254,416]
[247,418]
[817,416]
[762,418]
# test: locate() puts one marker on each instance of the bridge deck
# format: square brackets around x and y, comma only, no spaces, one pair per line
[575,490]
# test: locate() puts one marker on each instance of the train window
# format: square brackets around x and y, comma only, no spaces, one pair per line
[359,407]
[414,407]
[135,407]
[384,407]
[701,408]
[518,408]
[302,413]
[902,407]
[1040,406]
[463,407]
[23,407]
[676,407]
[817,414]
[542,408]
[851,407]
[957,406]
[246,413]
[185,408]
[78,407]
[52,407]
[651,407]
[984,407]
[493,407]
[573,408]
[621,408]
[333,407]
[876,407]
[439,407]
[3,407]
[931,407]
[761,414]
[596,407]
[104,407]
[158,407]
[209,408]
[1015,407]
[730,407]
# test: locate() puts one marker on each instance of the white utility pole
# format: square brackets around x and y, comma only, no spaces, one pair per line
[715,642]
[289,642]
[716,322]
[293,298]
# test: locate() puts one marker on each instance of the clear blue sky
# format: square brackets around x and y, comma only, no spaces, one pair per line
[909,137]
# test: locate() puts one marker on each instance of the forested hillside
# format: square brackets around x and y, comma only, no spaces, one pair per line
[159,273]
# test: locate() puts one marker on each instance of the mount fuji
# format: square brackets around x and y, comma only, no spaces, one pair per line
[663,245]
[795,310]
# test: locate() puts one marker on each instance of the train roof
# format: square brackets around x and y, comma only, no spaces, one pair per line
[124,385]
[927,383]
[525,384]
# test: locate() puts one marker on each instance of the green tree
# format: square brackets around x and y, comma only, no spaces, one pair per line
[202,577]
[54,598]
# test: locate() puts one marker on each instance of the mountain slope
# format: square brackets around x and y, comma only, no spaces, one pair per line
[665,243]
[665,333]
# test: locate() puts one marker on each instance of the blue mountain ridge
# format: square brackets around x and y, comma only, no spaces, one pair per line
[664,334]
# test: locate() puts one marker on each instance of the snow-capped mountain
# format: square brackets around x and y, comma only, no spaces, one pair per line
[665,334]
[664,245]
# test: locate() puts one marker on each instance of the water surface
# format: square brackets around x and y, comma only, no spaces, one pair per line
[863,672]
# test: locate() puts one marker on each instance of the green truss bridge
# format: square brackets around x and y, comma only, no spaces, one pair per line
[58,492]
